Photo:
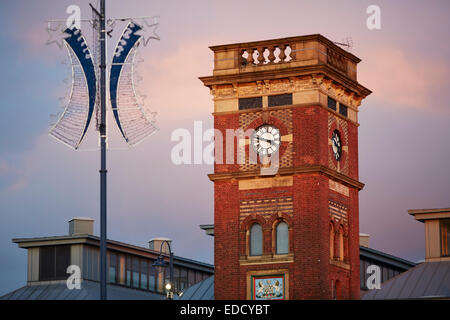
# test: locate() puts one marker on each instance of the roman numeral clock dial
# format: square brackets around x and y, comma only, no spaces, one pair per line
[266,140]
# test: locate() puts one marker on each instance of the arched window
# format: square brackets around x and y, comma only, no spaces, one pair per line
[256,240]
[331,241]
[282,233]
[341,244]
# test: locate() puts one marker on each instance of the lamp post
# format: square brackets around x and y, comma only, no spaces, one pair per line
[160,264]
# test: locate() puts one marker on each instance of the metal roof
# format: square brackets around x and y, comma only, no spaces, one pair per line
[428,280]
[203,290]
[381,257]
[90,290]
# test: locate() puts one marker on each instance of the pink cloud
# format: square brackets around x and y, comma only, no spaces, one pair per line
[171,81]
[403,78]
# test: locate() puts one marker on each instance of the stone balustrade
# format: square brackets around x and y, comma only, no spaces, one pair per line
[283,53]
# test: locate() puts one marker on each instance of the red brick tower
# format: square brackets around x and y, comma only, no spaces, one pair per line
[293,233]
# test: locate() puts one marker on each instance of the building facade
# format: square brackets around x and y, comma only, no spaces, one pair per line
[286,206]
[129,266]
[389,267]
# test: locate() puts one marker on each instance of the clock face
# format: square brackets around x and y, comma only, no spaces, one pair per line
[266,140]
[336,145]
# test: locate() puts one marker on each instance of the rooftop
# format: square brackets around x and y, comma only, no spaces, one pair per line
[428,214]
[89,291]
[428,280]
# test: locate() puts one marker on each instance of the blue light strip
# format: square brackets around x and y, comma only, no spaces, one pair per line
[78,44]
[124,46]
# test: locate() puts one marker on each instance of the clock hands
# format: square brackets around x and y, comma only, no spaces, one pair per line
[266,140]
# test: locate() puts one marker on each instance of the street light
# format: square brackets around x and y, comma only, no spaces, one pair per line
[160,265]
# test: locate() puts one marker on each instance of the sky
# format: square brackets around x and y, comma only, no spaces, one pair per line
[404,132]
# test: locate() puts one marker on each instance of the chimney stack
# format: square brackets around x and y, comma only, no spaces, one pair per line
[155,244]
[81,225]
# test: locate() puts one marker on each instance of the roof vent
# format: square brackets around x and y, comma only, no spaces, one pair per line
[364,240]
[80,225]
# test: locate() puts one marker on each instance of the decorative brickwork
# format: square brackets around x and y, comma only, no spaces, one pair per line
[338,212]
[283,120]
[265,207]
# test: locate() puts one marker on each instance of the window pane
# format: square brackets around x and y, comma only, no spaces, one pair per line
[256,240]
[343,109]
[282,238]
[390,274]
[176,277]
[53,262]
[85,263]
[46,263]
[144,272]
[62,261]
[121,267]
[128,271]
[183,278]
[167,276]
[135,272]
[191,277]
[112,267]
[160,280]
[198,276]
[250,103]
[93,263]
[384,274]
[332,103]
[151,280]
[280,100]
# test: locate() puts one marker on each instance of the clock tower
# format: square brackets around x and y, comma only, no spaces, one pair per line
[286,172]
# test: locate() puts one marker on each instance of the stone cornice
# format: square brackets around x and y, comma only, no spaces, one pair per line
[286,73]
[290,171]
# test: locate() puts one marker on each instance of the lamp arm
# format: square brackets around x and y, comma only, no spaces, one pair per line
[170,259]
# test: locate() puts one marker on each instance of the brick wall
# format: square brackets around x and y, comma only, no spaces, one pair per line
[310,272]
